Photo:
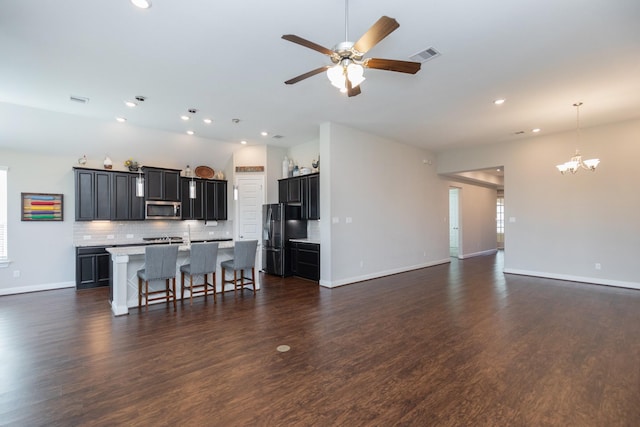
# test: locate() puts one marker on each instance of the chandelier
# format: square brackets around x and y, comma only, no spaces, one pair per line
[576,161]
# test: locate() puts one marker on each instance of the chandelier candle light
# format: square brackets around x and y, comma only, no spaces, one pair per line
[576,161]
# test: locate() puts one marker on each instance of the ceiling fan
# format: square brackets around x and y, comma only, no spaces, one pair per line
[348,57]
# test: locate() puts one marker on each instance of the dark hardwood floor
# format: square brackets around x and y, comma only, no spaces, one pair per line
[451,345]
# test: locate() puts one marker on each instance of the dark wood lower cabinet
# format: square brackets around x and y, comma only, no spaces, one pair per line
[93,267]
[305,260]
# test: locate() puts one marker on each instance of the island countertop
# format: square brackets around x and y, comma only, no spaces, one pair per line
[139,250]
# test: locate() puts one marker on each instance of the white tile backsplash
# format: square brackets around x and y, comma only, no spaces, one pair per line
[96,233]
[313,230]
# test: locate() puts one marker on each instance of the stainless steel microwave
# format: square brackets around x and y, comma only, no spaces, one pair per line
[157,209]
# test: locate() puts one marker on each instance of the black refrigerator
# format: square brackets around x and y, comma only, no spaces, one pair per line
[280,222]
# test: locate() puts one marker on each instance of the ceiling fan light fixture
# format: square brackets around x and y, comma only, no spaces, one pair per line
[339,73]
[336,76]
[355,72]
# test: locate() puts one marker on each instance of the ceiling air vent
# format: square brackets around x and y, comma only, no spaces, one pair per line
[277,137]
[80,99]
[425,55]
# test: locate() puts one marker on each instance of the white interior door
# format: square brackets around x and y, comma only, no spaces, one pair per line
[454,221]
[250,191]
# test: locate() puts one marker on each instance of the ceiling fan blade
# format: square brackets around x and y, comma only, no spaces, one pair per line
[392,65]
[306,43]
[378,31]
[307,75]
[353,91]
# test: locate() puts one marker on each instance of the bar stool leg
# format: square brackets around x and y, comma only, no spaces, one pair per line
[173,281]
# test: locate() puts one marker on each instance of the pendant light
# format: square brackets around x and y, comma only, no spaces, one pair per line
[192,189]
[576,163]
[139,185]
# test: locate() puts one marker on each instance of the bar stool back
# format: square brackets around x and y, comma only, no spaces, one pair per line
[202,261]
[244,258]
[159,264]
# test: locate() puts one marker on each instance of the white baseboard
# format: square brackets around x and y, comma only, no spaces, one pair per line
[481,253]
[350,280]
[571,278]
[37,288]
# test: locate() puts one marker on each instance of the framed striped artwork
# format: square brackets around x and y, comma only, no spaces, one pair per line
[41,207]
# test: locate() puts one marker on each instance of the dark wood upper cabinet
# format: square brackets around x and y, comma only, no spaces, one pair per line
[106,195]
[303,190]
[216,200]
[93,194]
[84,194]
[192,208]
[311,197]
[161,184]
[125,205]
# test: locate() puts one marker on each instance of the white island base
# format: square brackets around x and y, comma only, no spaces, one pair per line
[129,259]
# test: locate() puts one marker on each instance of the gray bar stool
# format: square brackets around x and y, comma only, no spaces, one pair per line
[202,261]
[159,264]
[244,258]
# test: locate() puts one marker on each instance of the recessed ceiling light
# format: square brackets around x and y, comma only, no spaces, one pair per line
[263,133]
[190,132]
[499,101]
[243,142]
[536,130]
[142,4]
[207,121]
[130,104]
[121,119]
[185,118]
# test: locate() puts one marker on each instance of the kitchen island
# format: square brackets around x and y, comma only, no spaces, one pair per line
[127,260]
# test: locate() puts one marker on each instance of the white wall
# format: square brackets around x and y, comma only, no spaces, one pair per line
[397,204]
[561,226]
[275,156]
[304,154]
[477,221]
[42,252]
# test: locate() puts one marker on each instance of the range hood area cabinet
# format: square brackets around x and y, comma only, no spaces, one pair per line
[303,190]
[106,195]
[161,184]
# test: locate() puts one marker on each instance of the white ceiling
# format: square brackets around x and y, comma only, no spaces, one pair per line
[227,60]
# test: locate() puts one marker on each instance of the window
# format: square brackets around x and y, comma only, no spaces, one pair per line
[3,214]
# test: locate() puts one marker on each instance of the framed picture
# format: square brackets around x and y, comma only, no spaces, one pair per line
[41,207]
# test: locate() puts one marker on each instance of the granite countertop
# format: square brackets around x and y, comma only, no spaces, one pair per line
[140,250]
[306,240]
